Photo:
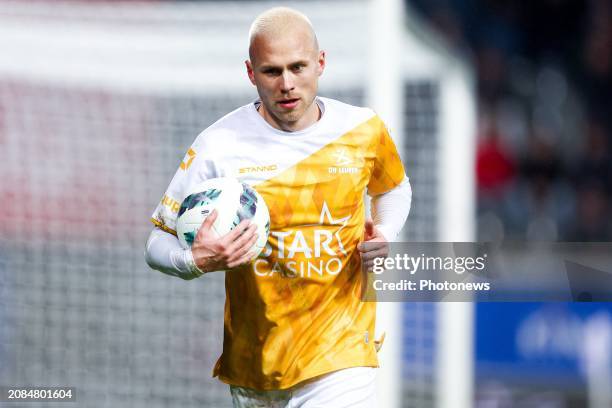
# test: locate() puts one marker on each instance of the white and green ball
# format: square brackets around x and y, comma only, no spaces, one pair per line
[234,202]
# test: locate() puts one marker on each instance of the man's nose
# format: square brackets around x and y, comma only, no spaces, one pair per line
[287,84]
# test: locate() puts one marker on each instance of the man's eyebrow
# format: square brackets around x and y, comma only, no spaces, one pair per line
[271,67]
[268,67]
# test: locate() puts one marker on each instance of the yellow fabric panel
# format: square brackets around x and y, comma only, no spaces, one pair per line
[388,169]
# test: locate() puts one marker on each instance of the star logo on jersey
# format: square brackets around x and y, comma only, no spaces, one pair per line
[188,159]
[342,158]
[325,213]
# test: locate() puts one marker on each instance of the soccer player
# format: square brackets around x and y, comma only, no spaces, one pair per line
[296,332]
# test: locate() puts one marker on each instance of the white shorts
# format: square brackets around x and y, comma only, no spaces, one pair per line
[351,388]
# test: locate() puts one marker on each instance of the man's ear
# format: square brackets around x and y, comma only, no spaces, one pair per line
[250,73]
[321,63]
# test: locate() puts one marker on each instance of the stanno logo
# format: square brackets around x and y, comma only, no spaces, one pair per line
[256,169]
[188,159]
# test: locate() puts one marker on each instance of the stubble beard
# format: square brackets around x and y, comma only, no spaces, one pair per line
[290,118]
[295,115]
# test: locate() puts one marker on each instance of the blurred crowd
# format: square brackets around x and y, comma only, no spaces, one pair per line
[544,81]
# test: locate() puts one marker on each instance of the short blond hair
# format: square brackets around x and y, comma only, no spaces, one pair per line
[276,21]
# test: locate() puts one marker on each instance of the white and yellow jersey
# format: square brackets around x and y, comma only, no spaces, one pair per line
[295,312]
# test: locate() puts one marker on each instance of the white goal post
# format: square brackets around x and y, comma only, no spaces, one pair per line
[403,50]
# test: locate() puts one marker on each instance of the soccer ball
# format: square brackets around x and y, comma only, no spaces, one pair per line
[234,202]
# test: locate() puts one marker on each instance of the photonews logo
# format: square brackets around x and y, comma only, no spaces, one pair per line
[315,249]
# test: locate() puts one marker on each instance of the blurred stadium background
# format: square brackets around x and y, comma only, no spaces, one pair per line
[501,110]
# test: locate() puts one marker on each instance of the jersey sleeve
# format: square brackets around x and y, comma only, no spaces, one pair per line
[388,170]
[193,169]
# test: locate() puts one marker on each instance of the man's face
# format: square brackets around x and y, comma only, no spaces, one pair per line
[286,69]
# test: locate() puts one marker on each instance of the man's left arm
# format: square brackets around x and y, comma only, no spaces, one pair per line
[391,195]
[390,210]
[389,213]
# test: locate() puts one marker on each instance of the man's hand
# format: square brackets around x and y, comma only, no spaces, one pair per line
[374,245]
[212,253]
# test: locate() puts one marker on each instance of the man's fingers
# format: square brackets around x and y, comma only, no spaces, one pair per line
[379,253]
[369,228]
[243,238]
[245,244]
[236,232]
[371,246]
[369,263]
[207,223]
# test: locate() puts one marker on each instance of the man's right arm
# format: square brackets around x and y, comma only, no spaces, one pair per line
[208,253]
[164,253]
